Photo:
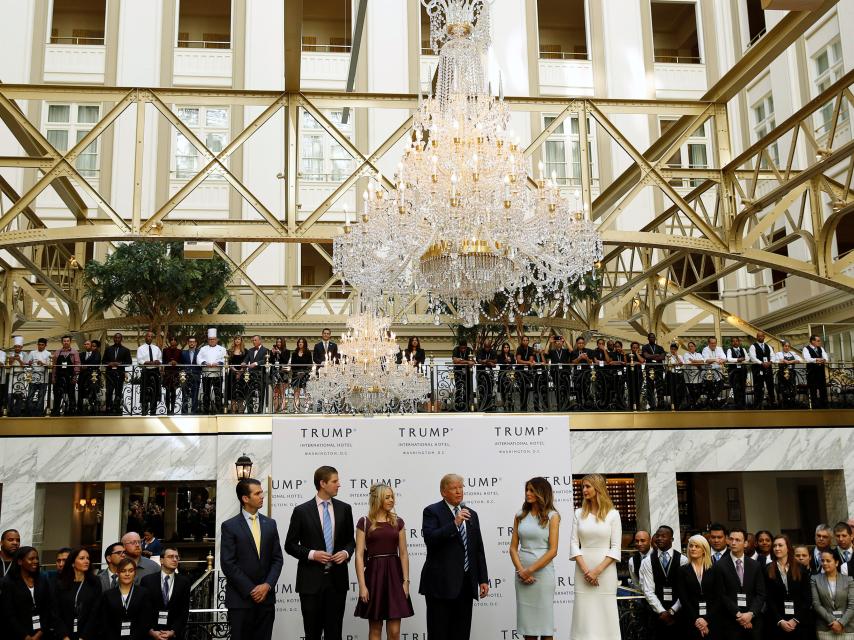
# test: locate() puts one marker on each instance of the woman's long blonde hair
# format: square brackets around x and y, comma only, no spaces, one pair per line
[603,500]
[701,542]
[375,505]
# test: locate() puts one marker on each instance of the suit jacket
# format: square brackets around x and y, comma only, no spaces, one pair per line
[305,534]
[319,354]
[17,610]
[689,592]
[186,359]
[776,594]
[179,603]
[90,358]
[258,357]
[824,604]
[727,588]
[139,614]
[88,608]
[815,566]
[106,580]
[119,354]
[443,573]
[243,568]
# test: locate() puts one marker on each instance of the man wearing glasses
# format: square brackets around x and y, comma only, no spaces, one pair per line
[170,597]
[109,577]
[133,550]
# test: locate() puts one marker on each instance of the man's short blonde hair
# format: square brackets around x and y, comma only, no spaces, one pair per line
[448,479]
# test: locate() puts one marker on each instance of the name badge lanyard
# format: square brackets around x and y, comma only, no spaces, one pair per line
[702,608]
[126,601]
[6,567]
[77,605]
[36,618]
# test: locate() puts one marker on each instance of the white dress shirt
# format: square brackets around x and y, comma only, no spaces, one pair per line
[647,580]
[731,357]
[148,352]
[708,354]
[163,576]
[787,357]
[39,360]
[811,360]
[319,503]
[754,357]
[692,371]
[211,357]
[634,578]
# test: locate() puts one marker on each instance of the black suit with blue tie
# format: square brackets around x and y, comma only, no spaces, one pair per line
[322,588]
[245,568]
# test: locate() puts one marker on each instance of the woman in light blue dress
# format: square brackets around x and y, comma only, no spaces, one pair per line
[532,549]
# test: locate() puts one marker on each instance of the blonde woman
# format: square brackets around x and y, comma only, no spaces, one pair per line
[235,384]
[532,550]
[595,547]
[382,566]
[695,587]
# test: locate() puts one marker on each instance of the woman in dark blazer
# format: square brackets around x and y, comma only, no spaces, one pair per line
[787,594]
[414,354]
[26,614]
[127,606]
[695,591]
[832,599]
[76,598]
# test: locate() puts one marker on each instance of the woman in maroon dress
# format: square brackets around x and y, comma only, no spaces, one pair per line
[382,566]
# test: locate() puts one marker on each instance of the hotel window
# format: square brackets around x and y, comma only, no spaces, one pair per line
[66,125]
[204,24]
[674,32]
[327,26]
[763,124]
[694,154]
[322,159]
[211,126]
[755,21]
[828,69]
[562,152]
[562,29]
[78,22]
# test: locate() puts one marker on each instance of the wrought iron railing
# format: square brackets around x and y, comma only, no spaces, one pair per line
[36,390]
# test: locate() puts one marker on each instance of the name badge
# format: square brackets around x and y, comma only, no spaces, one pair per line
[789,607]
[741,600]
[125,629]
[837,614]
[601,363]
[162,617]
[619,373]
[764,359]
[668,594]
[37,623]
[64,365]
[701,608]
[74,626]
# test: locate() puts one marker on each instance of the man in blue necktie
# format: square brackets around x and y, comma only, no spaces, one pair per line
[454,573]
[171,607]
[321,538]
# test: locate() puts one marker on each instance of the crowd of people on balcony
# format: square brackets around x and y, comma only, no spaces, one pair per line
[555,375]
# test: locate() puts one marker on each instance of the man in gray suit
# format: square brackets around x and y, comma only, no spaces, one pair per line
[133,550]
[109,577]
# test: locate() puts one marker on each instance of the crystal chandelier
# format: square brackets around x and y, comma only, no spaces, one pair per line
[368,378]
[462,222]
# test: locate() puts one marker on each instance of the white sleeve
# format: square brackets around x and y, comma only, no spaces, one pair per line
[752,353]
[616,536]
[648,585]
[729,357]
[574,543]
[807,356]
[140,358]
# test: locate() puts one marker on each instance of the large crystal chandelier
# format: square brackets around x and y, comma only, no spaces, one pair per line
[368,378]
[462,222]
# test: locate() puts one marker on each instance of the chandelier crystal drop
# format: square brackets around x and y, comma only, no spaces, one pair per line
[464,223]
[368,378]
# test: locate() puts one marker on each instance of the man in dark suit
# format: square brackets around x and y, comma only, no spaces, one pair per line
[659,574]
[89,380]
[190,393]
[170,597]
[845,551]
[251,559]
[454,572]
[823,538]
[116,358]
[643,544]
[325,348]
[109,576]
[718,535]
[740,591]
[256,359]
[320,537]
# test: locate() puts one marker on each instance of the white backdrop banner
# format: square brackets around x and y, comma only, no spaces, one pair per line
[495,454]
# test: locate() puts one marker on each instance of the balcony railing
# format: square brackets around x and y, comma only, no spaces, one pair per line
[204,44]
[280,388]
[678,59]
[81,40]
[564,55]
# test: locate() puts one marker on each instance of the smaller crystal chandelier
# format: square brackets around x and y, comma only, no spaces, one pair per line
[368,378]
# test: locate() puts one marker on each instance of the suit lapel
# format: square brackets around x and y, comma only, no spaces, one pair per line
[314,516]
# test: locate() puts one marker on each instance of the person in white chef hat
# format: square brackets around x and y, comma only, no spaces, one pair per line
[212,358]
[16,361]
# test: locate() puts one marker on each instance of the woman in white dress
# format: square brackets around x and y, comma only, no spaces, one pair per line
[595,547]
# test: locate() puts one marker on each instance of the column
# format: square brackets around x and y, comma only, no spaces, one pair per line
[111,529]
[19,499]
[663,502]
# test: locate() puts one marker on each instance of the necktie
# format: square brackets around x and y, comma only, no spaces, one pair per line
[327,527]
[846,556]
[739,569]
[665,561]
[166,591]
[114,580]
[717,555]
[150,354]
[193,357]
[256,532]
[464,538]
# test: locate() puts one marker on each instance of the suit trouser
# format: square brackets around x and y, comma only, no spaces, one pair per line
[738,384]
[254,623]
[212,389]
[817,382]
[190,394]
[763,380]
[115,384]
[661,631]
[62,386]
[450,618]
[323,612]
